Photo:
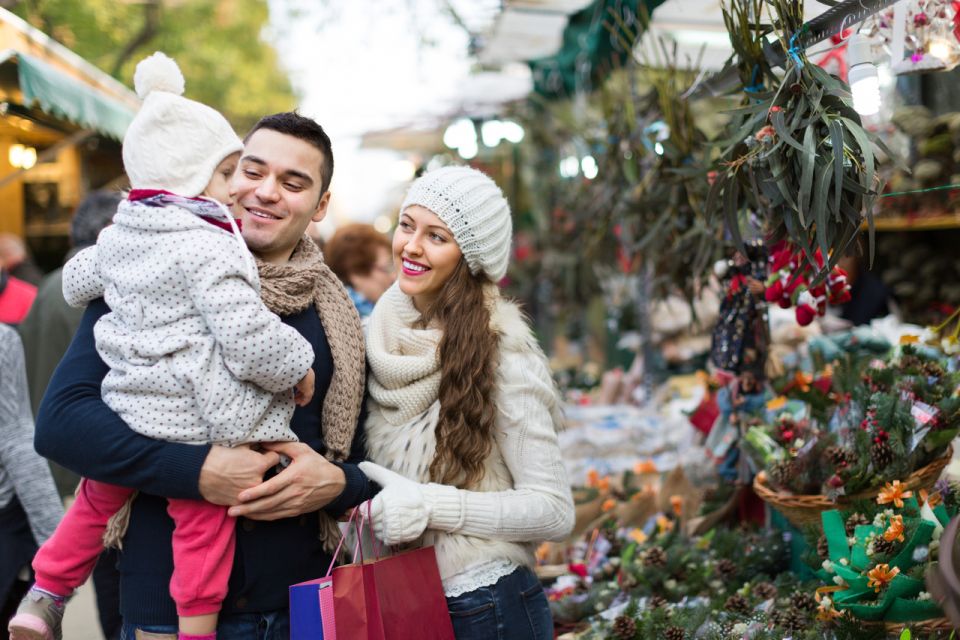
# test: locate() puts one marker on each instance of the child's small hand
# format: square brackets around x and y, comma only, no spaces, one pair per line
[303,392]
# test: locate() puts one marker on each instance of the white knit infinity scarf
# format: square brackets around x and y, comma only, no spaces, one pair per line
[404,361]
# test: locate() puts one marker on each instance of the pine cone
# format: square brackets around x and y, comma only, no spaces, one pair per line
[765,590]
[726,569]
[782,473]
[656,602]
[655,557]
[793,620]
[932,369]
[882,546]
[777,617]
[737,604]
[881,454]
[854,520]
[823,550]
[910,361]
[675,633]
[839,456]
[803,601]
[625,628]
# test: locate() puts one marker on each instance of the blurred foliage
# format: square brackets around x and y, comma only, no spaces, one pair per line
[217,43]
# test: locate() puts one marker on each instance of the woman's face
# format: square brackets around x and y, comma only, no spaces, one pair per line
[425,253]
[372,285]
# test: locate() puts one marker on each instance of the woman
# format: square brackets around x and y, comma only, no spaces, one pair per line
[29,504]
[360,256]
[463,413]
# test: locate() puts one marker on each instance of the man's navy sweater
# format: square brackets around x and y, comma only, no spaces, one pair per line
[77,430]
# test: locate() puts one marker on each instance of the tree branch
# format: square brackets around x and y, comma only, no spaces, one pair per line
[151,24]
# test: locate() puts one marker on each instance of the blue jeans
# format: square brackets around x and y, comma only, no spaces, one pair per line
[515,608]
[274,625]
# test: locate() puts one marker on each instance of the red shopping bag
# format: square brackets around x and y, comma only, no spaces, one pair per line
[391,598]
[312,612]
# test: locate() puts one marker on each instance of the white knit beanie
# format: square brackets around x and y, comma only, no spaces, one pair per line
[173,143]
[473,207]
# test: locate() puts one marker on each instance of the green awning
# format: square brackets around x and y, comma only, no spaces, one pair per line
[593,46]
[58,94]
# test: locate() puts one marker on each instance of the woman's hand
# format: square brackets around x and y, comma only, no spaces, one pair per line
[309,483]
[399,513]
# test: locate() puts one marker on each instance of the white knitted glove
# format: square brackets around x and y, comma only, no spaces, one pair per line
[399,513]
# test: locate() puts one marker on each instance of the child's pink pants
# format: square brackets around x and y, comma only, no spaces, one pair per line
[203,544]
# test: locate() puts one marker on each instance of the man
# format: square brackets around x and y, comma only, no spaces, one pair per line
[280,187]
[17,261]
[46,332]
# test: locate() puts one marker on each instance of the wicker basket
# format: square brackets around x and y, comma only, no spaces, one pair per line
[933,625]
[803,510]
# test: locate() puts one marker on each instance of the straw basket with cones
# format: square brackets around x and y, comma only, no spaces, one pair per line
[802,510]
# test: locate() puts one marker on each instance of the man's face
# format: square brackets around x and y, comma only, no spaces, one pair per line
[277,193]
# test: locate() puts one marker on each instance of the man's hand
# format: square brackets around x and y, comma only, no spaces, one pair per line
[309,483]
[303,392]
[228,471]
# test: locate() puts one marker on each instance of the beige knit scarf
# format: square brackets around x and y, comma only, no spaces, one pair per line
[404,360]
[287,289]
[290,288]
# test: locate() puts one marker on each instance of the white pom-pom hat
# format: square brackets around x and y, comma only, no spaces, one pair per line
[473,207]
[173,144]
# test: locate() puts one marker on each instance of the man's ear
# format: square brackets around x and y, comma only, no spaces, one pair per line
[321,211]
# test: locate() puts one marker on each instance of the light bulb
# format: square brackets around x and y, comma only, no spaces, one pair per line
[569,167]
[589,167]
[940,49]
[462,132]
[863,77]
[29,158]
[865,86]
[15,155]
[491,132]
[468,150]
[512,131]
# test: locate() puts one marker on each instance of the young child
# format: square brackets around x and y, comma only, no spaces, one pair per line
[194,355]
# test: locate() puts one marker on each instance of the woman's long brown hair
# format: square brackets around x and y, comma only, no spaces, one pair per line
[468,364]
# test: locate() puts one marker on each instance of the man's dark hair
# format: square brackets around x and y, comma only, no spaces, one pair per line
[293,124]
[94,213]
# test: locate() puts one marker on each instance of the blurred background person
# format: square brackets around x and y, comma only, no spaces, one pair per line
[46,332]
[16,259]
[869,297]
[29,505]
[49,327]
[360,256]
[16,298]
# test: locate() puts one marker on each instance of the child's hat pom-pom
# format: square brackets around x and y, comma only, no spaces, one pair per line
[158,73]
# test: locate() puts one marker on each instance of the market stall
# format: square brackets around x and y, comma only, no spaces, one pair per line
[739,223]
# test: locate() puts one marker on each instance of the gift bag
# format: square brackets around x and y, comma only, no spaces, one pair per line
[311,603]
[398,597]
[311,610]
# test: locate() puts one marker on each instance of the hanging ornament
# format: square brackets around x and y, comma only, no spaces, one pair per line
[837,55]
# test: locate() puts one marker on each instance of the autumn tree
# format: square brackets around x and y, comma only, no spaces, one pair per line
[217,43]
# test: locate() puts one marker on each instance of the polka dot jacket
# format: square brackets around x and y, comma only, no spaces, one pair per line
[194,355]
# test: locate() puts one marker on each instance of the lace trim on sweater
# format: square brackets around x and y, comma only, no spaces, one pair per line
[479,575]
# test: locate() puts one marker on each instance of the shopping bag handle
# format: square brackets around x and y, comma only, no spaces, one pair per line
[336,554]
[377,547]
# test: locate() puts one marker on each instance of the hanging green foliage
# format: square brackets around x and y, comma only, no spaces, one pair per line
[796,152]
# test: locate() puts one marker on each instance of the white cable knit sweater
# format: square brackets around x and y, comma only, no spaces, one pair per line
[524,496]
